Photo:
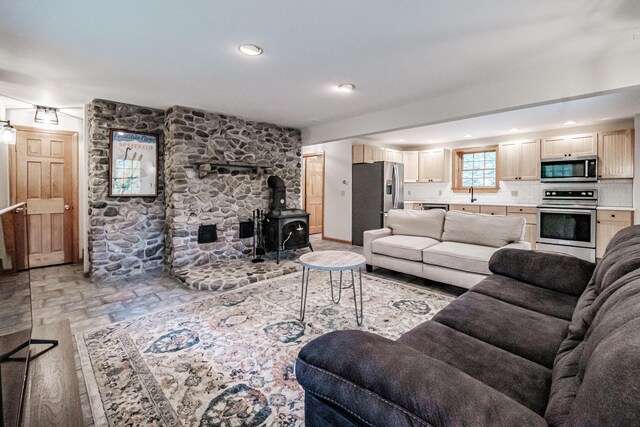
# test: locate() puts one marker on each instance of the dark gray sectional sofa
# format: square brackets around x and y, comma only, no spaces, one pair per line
[546,340]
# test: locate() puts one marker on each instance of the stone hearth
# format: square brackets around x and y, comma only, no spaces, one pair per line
[225,275]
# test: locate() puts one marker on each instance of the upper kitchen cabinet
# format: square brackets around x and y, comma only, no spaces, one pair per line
[410,160]
[434,165]
[615,154]
[362,153]
[570,146]
[520,160]
[391,155]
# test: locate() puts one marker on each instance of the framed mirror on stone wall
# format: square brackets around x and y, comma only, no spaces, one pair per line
[133,164]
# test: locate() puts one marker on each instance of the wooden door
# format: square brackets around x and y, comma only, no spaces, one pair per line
[615,155]
[435,165]
[44,180]
[608,224]
[314,191]
[509,161]
[554,147]
[410,160]
[582,145]
[529,160]
[378,154]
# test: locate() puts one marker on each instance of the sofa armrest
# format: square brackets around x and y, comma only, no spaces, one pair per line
[561,273]
[376,381]
[520,244]
[371,235]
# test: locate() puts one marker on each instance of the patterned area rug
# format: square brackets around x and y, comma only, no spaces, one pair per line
[229,360]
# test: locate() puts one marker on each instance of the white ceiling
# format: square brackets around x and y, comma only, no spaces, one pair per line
[159,53]
[622,104]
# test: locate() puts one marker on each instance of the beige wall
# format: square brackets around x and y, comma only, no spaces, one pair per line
[4,165]
[337,193]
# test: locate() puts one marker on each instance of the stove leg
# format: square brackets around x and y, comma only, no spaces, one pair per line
[277,257]
[311,247]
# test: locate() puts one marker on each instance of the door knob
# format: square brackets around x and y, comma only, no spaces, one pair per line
[66,207]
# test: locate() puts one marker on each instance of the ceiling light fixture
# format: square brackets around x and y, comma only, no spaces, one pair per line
[569,122]
[347,87]
[250,49]
[468,136]
[48,115]
[514,130]
[7,133]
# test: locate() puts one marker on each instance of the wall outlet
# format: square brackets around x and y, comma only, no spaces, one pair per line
[514,193]
[342,193]
[408,192]
[439,192]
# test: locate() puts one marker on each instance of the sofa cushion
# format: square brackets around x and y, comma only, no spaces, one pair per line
[405,247]
[524,381]
[523,332]
[427,223]
[460,256]
[486,230]
[527,296]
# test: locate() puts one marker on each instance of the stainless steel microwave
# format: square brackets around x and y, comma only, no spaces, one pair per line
[569,169]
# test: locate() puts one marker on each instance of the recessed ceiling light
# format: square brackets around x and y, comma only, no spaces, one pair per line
[347,87]
[401,140]
[250,49]
[429,140]
[569,122]
[514,130]
[468,136]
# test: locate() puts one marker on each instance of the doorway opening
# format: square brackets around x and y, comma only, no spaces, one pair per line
[43,173]
[313,191]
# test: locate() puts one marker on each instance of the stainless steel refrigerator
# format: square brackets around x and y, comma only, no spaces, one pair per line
[376,188]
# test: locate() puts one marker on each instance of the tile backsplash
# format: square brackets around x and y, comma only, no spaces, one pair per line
[614,192]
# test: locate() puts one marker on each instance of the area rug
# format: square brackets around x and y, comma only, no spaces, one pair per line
[229,360]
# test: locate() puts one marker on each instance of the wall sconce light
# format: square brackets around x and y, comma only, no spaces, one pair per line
[7,133]
[47,115]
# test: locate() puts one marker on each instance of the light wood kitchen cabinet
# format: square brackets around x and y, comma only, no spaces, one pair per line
[608,224]
[530,228]
[493,210]
[434,165]
[570,146]
[410,160]
[391,155]
[465,208]
[413,206]
[615,154]
[363,153]
[520,160]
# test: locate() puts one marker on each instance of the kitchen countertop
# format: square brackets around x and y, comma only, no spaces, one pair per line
[520,205]
[615,208]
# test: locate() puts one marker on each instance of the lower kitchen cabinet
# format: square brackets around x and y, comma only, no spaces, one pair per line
[465,208]
[608,224]
[530,228]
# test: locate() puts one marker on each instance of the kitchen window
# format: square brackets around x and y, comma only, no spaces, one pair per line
[477,167]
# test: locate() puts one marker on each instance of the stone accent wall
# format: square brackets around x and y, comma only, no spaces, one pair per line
[223,197]
[126,235]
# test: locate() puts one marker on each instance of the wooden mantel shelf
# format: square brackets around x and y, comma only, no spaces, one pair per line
[204,168]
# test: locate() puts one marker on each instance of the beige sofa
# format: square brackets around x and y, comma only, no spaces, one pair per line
[449,247]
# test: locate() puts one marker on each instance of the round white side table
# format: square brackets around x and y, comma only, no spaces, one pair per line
[332,261]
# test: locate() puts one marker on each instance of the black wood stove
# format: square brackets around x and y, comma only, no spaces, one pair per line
[284,229]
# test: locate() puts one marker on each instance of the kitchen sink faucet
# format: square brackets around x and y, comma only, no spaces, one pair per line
[471,191]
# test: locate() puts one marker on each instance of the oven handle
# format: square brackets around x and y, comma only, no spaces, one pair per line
[567,211]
